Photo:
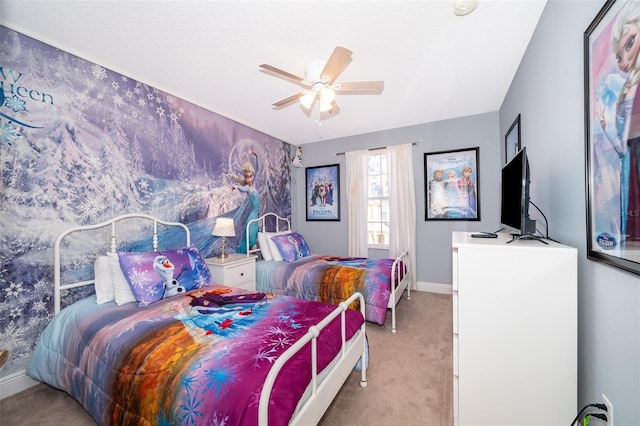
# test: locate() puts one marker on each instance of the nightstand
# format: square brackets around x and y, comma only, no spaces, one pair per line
[237,270]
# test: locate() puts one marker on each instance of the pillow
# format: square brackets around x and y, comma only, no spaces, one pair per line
[292,246]
[264,246]
[103,283]
[158,275]
[122,291]
[275,252]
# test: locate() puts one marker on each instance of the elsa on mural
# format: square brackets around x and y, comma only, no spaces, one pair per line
[619,116]
[246,184]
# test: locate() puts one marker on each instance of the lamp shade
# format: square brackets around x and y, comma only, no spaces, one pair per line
[224,227]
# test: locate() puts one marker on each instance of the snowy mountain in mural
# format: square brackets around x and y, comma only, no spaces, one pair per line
[80,144]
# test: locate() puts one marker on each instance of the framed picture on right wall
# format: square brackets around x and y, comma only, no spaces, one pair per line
[512,140]
[612,141]
[452,185]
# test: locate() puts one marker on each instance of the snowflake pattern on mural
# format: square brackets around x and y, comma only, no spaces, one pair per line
[8,133]
[82,144]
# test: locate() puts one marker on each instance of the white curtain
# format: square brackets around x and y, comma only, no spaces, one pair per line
[357,171]
[402,205]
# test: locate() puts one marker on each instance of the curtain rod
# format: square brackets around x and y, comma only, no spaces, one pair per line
[375,149]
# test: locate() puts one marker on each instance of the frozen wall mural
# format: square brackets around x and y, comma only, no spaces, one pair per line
[81,144]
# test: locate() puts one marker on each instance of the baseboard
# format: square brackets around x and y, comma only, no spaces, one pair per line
[14,383]
[434,287]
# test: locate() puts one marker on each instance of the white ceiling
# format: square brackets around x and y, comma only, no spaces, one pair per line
[435,65]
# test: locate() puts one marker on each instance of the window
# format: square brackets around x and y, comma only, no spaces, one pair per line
[378,201]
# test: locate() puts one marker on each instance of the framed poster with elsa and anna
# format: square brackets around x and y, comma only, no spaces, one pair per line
[451,185]
[612,133]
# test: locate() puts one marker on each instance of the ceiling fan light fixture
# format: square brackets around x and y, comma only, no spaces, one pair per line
[307,99]
[325,106]
[327,95]
[319,82]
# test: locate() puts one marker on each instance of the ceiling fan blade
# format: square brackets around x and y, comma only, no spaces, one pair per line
[361,86]
[284,74]
[336,63]
[288,100]
[334,108]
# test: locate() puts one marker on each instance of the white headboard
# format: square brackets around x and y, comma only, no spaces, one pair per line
[279,226]
[112,244]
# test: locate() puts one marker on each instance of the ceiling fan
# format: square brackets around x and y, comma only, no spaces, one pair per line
[319,82]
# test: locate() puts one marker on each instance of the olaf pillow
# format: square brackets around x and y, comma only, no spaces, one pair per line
[157,275]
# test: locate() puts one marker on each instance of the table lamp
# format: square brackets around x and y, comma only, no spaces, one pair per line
[223,228]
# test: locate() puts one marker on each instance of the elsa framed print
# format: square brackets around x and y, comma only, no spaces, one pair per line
[611,58]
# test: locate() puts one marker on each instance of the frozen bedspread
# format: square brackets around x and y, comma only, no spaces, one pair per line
[331,279]
[199,358]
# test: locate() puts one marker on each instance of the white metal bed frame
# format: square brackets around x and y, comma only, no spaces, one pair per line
[398,286]
[322,390]
[57,272]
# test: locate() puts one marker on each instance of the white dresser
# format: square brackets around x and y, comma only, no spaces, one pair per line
[237,270]
[514,331]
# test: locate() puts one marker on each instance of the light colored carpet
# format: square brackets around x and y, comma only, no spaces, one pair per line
[409,377]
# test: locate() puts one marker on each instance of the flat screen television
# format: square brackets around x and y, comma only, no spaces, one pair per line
[514,207]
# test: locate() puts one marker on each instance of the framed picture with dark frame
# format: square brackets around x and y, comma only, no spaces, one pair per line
[612,169]
[512,140]
[452,185]
[322,186]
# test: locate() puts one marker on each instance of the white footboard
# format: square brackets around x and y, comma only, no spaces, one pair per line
[398,269]
[321,393]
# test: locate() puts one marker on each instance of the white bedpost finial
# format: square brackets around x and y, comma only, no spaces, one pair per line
[113,246]
[223,228]
[155,235]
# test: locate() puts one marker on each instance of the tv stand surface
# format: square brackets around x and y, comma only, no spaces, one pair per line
[515,237]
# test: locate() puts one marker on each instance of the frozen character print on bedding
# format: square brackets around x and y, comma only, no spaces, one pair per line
[155,276]
[218,311]
[200,358]
[296,248]
[163,266]
[330,279]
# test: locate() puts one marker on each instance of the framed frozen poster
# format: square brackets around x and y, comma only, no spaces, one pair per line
[451,185]
[611,70]
[323,192]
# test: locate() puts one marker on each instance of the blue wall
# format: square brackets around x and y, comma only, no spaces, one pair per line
[434,237]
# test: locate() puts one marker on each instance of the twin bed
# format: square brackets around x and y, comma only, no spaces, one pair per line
[288,267]
[208,354]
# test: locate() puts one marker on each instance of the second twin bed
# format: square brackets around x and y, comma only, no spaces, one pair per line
[288,267]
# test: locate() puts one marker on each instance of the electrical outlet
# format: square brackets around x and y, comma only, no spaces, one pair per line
[609,410]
